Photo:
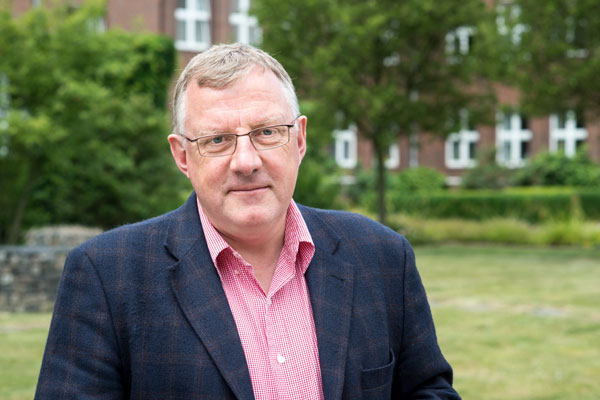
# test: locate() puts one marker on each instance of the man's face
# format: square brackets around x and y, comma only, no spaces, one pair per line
[245,195]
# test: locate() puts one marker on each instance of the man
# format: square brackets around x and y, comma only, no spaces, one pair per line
[241,293]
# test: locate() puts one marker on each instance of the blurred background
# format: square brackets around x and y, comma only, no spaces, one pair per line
[470,126]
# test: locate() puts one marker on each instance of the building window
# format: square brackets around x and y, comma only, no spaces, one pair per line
[461,146]
[192,21]
[507,21]
[460,41]
[345,148]
[393,159]
[244,27]
[567,132]
[512,139]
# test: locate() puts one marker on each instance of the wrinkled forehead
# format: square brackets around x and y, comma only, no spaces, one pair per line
[234,77]
[256,99]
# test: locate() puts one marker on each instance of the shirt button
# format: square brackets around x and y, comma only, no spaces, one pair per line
[280,359]
[235,271]
[269,302]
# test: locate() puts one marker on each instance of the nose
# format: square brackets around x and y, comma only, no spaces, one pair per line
[246,159]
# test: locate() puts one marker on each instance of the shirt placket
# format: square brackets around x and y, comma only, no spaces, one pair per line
[278,353]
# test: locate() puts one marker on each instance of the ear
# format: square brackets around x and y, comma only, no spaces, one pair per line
[179,153]
[301,135]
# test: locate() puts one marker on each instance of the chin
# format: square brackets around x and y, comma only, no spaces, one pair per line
[256,216]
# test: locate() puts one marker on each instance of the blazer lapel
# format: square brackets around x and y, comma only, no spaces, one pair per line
[198,289]
[330,282]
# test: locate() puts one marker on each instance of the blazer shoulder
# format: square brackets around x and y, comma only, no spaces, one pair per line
[130,235]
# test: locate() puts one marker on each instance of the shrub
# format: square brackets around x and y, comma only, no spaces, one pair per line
[318,184]
[416,180]
[497,230]
[487,174]
[411,181]
[557,169]
[524,205]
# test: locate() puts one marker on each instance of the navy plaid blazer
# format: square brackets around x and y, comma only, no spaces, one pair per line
[141,314]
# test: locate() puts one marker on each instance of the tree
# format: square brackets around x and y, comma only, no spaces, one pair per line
[317,184]
[559,56]
[389,67]
[83,131]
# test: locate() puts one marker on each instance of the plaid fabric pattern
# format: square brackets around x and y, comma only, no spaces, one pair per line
[276,328]
[141,313]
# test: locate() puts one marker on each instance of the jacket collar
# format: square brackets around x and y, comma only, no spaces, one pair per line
[197,287]
[330,281]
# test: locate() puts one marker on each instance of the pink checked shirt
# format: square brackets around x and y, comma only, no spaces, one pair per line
[277,329]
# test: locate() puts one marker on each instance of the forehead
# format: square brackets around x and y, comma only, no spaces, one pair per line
[255,99]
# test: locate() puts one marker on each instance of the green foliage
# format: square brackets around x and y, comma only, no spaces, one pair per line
[419,230]
[558,60]
[557,169]
[318,184]
[84,136]
[318,179]
[362,192]
[381,65]
[481,205]
[418,180]
[487,174]
[408,182]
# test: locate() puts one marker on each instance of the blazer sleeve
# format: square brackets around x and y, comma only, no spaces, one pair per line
[81,359]
[423,372]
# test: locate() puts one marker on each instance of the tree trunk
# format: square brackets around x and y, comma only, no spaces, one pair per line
[17,222]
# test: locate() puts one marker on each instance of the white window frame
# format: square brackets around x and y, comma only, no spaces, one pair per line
[245,24]
[413,148]
[460,36]
[571,36]
[463,138]
[393,160]
[191,15]
[570,134]
[517,30]
[514,136]
[346,140]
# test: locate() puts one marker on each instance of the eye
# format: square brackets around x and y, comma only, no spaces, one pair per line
[217,140]
[267,132]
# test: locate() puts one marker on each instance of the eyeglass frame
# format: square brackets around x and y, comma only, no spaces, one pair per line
[249,133]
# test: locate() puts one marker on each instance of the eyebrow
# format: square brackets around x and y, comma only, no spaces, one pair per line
[269,121]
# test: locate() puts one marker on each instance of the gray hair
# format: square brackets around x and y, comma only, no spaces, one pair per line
[221,66]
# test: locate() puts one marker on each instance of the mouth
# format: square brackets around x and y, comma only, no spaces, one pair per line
[248,189]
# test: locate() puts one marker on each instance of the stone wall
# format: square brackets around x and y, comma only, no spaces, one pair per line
[29,274]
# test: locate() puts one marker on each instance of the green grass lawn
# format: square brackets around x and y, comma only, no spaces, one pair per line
[516,323]
[22,341]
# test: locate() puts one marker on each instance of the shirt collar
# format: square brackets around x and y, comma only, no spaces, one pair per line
[297,237]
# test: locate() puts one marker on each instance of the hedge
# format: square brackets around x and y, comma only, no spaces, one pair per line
[532,206]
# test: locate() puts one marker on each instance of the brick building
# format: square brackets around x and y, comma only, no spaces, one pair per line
[196,24]
[515,137]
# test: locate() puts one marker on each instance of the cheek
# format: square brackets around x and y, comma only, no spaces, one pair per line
[285,170]
[205,176]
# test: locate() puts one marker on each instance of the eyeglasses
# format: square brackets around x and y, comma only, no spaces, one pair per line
[224,144]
